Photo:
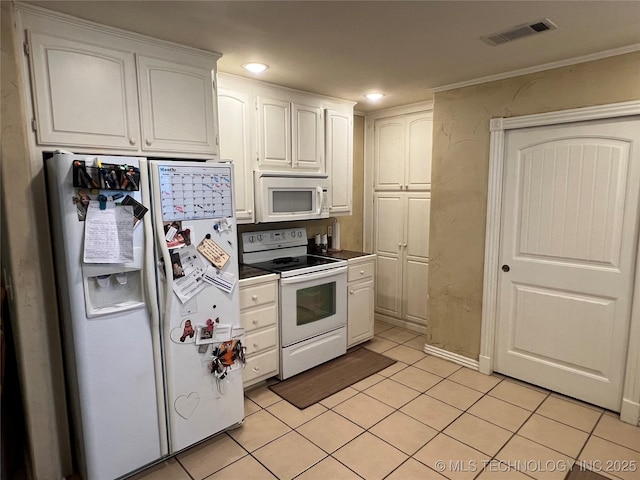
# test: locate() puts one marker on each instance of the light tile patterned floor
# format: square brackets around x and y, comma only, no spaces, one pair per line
[422,418]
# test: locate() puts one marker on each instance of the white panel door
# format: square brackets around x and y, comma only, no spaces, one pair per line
[388,241]
[307,138]
[389,153]
[568,248]
[416,257]
[177,107]
[419,145]
[339,158]
[237,135]
[274,132]
[84,95]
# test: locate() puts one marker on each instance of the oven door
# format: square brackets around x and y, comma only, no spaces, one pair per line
[312,304]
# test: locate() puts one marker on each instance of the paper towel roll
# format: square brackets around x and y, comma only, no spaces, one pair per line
[318,239]
[335,244]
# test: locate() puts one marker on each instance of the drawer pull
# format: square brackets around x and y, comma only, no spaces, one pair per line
[351,292]
[255,322]
[256,344]
[254,297]
[361,272]
[256,369]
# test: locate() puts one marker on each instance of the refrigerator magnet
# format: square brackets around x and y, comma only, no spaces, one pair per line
[204,335]
[184,334]
[213,252]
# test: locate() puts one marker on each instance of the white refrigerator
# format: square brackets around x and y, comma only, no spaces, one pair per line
[146,267]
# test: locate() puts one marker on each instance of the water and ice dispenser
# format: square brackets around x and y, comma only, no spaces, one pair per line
[112,288]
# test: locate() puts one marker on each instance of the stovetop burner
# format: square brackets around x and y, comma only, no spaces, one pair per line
[286,264]
[285,260]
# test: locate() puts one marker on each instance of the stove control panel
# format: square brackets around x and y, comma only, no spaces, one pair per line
[273,239]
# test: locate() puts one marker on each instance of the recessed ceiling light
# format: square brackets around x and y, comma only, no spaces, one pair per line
[374,96]
[255,67]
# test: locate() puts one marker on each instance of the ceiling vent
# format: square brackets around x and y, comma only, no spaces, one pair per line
[519,31]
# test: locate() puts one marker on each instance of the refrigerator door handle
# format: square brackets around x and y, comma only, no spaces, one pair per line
[152,301]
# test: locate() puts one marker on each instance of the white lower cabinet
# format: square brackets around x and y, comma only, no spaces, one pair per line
[360,298]
[259,317]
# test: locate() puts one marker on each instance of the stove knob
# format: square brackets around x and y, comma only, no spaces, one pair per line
[300,234]
[251,239]
[259,238]
[293,234]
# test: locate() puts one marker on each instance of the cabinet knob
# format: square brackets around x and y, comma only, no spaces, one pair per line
[132,141]
[256,369]
[351,292]
[255,344]
[255,322]
[254,297]
[249,212]
[148,142]
[399,245]
[361,272]
[405,245]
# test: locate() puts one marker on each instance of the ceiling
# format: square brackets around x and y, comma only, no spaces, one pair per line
[347,48]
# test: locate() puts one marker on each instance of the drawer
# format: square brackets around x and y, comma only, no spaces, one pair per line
[258,295]
[360,271]
[264,364]
[262,340]
[259,317]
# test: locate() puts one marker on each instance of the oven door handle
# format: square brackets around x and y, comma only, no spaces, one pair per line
[313,276]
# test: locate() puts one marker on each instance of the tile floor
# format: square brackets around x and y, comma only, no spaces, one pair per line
[422,418]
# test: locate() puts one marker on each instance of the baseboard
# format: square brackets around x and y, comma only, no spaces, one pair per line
[630,412]
[453,357]
[401,323]
[484,365]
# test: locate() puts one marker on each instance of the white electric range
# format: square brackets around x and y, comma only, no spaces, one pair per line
[313,297]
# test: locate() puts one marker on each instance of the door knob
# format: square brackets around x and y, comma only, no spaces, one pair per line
[505,268]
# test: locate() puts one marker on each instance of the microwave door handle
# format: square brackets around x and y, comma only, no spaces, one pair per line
[318,200]
[313,276]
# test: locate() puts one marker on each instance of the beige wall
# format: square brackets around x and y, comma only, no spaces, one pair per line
[28,263]
[460,172]
[351,227]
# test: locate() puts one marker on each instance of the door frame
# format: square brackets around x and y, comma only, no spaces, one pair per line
[630,408]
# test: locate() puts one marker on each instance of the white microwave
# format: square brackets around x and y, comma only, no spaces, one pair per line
[281,196]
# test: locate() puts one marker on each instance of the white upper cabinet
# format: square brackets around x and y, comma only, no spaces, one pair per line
[402,159]
[72,82]
[236,144]
[339,158]
[291,136]
[177,106]
[102,88]
[274,125]
[307,137]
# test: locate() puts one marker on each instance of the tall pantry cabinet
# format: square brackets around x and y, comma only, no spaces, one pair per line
[401,146]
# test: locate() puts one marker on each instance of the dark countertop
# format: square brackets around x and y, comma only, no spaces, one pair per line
[247,271]
[345,254]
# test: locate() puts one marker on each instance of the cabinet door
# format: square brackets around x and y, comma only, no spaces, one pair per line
[415,264]
[389,153]
[360,312]
[84,95]
[237,135]
[339,158]
[274,129]
[419,129]
[177,107]
[307,138]
[388,241]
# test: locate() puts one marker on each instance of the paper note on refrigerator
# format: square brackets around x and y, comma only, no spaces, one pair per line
[190,283]
[108,234]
